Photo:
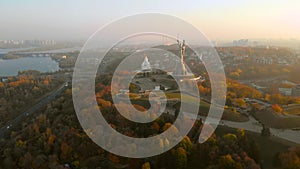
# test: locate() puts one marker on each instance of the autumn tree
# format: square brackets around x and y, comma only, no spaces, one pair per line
[66,151]
[288,160]
[226,162]
[277,99]
[277,108]
[113,158]
[186,144]
[180,158]
[240,102]
[230,138]
[146,165]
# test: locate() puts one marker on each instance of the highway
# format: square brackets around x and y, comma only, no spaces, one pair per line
[44,101]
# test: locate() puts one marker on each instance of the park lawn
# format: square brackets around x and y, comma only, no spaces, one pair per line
[270,119]
[228,114]
[186,98]
[204,109]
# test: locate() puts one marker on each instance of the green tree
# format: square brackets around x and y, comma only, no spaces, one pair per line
[180,158]
[186,144]
[226,162]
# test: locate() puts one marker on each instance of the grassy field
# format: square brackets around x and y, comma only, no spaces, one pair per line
[204,108]
[185,98]
[271,119]
[228,114]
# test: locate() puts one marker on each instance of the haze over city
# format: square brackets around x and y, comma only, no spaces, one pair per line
[218,20]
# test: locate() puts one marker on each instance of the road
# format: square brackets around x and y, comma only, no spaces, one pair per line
[254,126]
[31,110]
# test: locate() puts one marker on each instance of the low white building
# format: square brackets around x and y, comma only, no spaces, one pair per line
[3,79]
[285,91]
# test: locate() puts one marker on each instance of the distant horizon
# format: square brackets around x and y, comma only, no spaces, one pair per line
[219,40]
[290,43]
[219,21]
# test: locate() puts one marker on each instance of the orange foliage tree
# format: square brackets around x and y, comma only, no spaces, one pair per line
[277,108]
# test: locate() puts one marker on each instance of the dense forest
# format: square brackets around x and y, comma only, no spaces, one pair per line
[52,138]
[17,93]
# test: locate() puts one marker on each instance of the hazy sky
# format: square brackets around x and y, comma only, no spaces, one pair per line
[219,20]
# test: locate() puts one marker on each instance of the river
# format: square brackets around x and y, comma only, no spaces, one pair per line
[42,64]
